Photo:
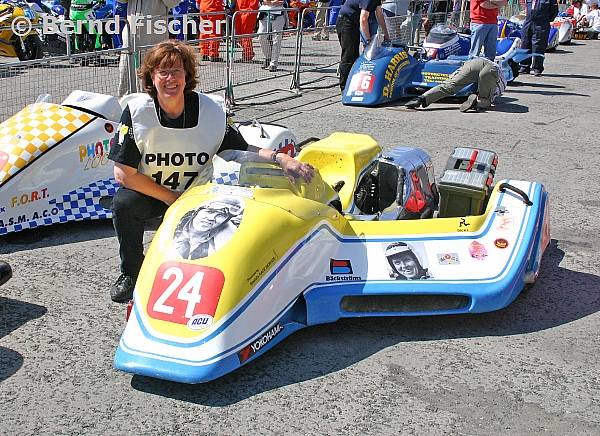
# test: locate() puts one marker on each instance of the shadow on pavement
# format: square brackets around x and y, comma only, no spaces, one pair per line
[14,314]
[571,76]
[560,296]
[62,234]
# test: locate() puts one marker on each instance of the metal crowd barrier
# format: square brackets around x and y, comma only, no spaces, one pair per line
[99,71]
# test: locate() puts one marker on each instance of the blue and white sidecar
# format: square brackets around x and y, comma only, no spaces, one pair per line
[386,72]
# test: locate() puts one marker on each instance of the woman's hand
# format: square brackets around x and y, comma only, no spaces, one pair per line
[293,168]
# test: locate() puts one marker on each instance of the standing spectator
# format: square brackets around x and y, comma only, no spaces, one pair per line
[270,28]
[437,11]
[352,24]
[321,21]
[88,39]
[536,29]
[180,9]
[143,35]
[484,27]
[119,10]
[456,13]
[209,50]
[244,25]
[334,11]
[395,8]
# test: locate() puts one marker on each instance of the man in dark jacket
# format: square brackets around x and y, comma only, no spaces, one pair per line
[354,19]
[536,29]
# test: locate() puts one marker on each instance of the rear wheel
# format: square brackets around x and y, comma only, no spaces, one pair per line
[514,67]
[33,48]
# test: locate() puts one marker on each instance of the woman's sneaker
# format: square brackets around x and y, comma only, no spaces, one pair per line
[122,290]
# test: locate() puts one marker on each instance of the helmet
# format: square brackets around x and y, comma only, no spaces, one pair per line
[395,249]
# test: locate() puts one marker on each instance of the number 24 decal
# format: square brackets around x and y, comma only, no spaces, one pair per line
[181,291]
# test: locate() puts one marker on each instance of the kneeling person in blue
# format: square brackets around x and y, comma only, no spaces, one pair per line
[488,75]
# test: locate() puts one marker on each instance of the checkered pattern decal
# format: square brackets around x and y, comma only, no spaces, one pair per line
[34,130]
[79,205]
[226,178]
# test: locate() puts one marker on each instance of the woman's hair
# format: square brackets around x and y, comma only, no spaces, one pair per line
[165,54]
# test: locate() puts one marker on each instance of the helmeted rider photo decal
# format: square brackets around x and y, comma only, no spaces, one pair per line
[205,229]
[405,262]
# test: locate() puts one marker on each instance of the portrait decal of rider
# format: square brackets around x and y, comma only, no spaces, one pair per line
[405,262]
[205,229]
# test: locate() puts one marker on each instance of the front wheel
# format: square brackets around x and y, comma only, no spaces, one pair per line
[33,48]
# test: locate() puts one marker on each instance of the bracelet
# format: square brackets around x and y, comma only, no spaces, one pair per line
[274,155]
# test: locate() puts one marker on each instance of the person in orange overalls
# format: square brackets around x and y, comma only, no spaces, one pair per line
[244,25]
[210,50]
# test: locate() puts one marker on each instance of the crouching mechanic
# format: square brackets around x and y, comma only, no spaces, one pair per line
[488,75]
[167,140]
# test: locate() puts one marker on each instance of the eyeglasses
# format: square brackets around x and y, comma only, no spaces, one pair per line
[163,74]
[223,213]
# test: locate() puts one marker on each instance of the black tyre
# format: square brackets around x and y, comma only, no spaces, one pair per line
[33,48]
[5,272]
[514,67]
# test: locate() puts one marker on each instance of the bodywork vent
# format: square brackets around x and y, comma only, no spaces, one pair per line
[403,303]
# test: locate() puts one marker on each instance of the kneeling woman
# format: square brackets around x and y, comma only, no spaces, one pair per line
[167,140]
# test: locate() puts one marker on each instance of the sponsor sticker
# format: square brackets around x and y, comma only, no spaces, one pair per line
[259,343]
[501,243]
[506,223]
[232,190]
[340,266]
[477,250]
[200,322]
[448,259]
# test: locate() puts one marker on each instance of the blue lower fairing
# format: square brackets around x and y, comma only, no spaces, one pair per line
[325,301]
[190,371]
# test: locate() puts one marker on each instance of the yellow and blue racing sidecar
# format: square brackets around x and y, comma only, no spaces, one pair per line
[234,269]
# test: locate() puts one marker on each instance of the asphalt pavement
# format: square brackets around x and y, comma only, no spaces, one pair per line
[529,369]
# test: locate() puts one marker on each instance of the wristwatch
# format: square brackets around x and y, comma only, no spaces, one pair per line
[274,156]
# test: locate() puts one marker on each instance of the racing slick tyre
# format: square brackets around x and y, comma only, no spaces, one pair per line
[514,67]
[33,48]
[5,272]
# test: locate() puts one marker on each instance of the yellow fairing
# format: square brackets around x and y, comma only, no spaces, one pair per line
[341,157]
[241,277]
